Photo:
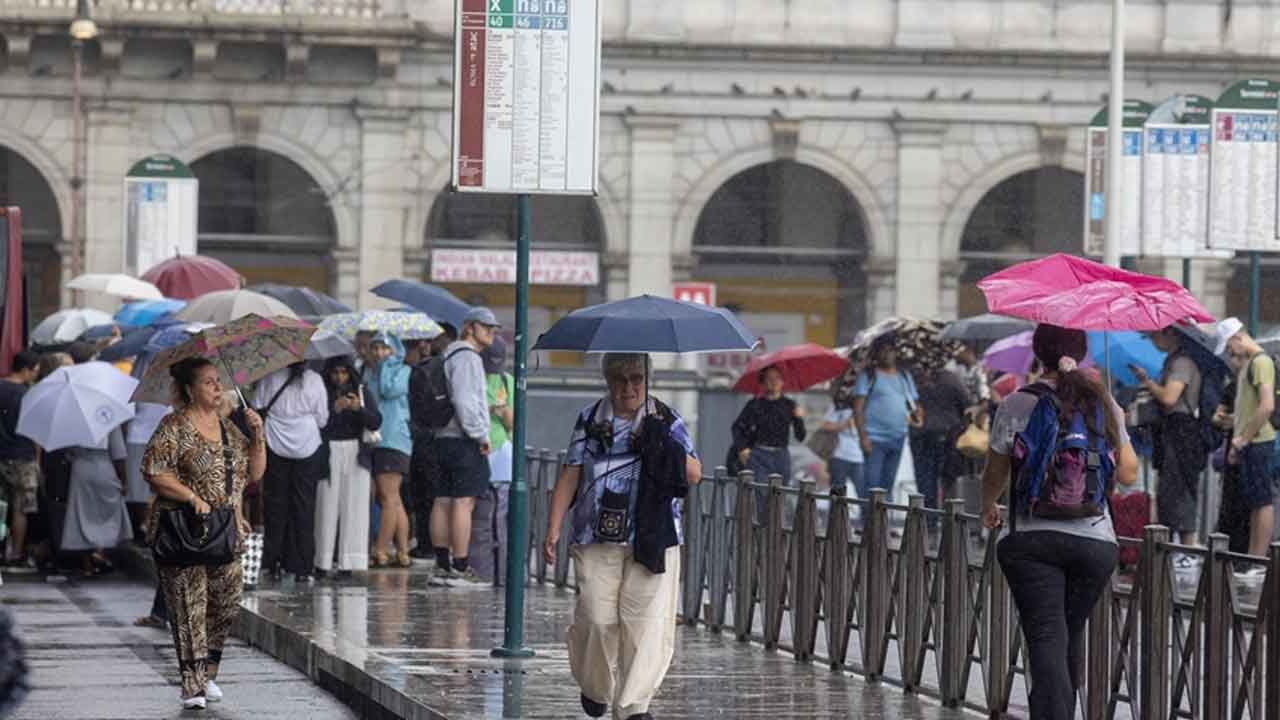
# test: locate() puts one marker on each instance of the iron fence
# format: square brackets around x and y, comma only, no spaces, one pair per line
[828,579]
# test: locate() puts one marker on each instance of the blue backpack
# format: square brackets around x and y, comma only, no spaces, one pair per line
[1063,469]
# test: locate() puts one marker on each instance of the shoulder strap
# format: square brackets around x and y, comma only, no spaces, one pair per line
[266,410]
[228,468]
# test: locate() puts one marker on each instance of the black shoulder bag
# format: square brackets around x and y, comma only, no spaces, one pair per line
[184,538]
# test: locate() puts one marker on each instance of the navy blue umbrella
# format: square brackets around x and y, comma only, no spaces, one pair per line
[134,341]
[302,300]
[440,304]
[648,324]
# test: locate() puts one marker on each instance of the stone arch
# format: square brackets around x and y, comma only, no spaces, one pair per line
[977,187]
[45,221]
[879,243]
[342,189]
[271,219]
[49,168]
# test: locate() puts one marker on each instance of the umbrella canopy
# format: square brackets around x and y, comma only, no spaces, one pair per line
[223,306]
[918,343]
[76,406]
[1114,352]
[100,332]
[301,300]
[116,285]
[404,325]
[1011,355]
[802,366]
[189,276]
[67,325]
[984,328]
[325,345]
[430,299]
[244,351]
[648,324]
[1200,345]
[145,312]
[1073,292]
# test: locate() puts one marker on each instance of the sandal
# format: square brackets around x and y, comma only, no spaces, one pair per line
[403,559]
[379,559]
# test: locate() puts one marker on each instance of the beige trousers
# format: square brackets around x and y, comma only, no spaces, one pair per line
[624,627]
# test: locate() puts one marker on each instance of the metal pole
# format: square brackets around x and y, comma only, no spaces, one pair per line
[77,165]
[1115,123]
[517,514]
[1186,273]
[1255,281]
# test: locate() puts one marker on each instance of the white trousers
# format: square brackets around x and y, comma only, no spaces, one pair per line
[342,510]
[624,627]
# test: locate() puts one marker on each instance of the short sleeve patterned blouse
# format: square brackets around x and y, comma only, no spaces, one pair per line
[178,448]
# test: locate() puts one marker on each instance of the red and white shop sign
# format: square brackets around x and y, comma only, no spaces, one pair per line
[700,293]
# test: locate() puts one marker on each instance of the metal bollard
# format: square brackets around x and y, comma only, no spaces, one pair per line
[718,567]
[1098,662]
[1000,634]
[804,581]
[744,566]
[1153,568]
[1271,601]
[693,565]
[1217,618]
[838,582]
[913,598]
[955,605]
[875,586]
[775,563]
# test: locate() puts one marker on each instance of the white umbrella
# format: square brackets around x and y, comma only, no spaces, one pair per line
[223,306]
[76,406]
[117,285]
[325,344]
[67,325]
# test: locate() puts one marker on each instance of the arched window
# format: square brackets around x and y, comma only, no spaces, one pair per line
[1034,213]
[785,243]
[264,215]
[22,185]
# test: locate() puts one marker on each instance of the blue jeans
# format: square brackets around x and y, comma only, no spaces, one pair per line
[843,474]
[882,467]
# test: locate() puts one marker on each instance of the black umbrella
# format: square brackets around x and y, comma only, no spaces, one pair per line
[302,300]
[985,328]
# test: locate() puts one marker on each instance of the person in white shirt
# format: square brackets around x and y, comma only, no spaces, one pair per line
[294,406]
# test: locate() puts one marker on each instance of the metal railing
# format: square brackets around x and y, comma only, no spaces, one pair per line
[929,610]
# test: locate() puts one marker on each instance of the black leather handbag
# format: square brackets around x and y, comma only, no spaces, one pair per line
[184,538]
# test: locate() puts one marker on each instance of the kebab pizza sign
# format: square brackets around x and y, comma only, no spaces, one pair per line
[498,267]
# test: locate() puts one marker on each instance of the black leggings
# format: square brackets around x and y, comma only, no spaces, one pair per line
[1056,580]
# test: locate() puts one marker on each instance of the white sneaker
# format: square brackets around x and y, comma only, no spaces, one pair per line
[1255,574]
[194,703]
[213,692]
[1186,563]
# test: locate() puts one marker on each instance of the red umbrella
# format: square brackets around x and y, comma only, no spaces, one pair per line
[1073,292]
[186,277]
[802,366]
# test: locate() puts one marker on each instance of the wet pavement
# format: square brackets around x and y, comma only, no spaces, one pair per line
[403,648]
[87,660]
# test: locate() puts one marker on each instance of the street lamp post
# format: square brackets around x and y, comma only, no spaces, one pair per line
[82,30]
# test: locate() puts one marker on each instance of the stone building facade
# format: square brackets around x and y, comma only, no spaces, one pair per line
[826,163]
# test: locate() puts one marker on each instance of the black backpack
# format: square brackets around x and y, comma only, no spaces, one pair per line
[430,402]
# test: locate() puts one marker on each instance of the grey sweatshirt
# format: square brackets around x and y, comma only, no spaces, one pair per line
[465,372]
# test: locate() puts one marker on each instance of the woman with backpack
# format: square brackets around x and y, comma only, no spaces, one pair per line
[1058,446]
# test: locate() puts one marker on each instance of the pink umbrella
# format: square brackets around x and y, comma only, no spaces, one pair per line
[1073,292]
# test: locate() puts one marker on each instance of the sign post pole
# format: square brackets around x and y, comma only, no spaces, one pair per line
[1186,273]
[518,500]
[1255,280]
